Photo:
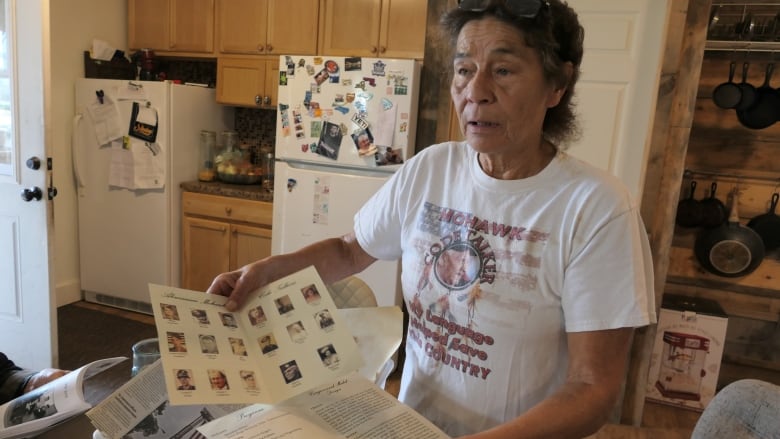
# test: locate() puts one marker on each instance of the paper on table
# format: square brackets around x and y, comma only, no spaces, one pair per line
[105,119]
[350,407]
[378,332]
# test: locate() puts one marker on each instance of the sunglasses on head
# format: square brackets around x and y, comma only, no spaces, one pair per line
[520,8]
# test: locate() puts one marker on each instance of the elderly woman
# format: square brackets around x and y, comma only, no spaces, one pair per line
[524,269]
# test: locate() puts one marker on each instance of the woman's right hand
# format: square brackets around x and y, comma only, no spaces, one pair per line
[236,285]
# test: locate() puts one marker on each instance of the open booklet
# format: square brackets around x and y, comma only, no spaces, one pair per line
[287,339]
[140,408]
[45,407]
[350,407]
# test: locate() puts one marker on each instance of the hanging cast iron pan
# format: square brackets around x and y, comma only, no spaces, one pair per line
[767,225]
[728,94]
[689,212]
[731,249]
[713,211]
[765,111]
[748,92]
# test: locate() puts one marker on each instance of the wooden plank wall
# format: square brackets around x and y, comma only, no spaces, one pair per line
[722,150]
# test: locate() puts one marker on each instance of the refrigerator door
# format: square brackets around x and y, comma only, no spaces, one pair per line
[356,112]
[312,203]
[130,238]
[123,234]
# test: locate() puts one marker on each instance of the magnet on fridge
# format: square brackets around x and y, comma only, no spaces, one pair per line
[387,103]
[342,110]
[378,69]
[291,184]
[370,81]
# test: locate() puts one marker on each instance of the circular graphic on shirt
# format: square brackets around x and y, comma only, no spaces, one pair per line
[457,265]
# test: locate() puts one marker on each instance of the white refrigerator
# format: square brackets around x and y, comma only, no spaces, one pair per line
[129,199]
[343,126]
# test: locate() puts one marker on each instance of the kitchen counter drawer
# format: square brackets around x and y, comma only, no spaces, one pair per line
[228,208]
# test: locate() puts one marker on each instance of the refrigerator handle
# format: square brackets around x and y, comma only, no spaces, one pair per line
[75,150]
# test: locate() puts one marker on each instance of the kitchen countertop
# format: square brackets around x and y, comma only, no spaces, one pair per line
[244,191]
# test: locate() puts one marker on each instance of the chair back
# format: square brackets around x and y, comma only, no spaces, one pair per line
[352,292]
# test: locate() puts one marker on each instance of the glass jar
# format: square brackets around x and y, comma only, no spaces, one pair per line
[208,142]
[229,141]
[268,171]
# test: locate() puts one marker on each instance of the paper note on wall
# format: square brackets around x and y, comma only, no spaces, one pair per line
[385,126]
[321,201]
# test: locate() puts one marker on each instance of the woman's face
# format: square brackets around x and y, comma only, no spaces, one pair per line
[498,88]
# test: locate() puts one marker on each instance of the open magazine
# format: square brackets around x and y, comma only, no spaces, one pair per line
[350,407]
[140,409]
[45,407]
[287,339]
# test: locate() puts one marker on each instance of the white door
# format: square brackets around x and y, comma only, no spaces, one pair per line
[616,94]
[27,309]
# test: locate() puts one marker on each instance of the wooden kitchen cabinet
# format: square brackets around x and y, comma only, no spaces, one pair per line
[247,81]
[220,234]
[267,27]
[176,27]
[373,28]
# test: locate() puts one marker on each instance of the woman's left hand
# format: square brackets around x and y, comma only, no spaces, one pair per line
[43,377]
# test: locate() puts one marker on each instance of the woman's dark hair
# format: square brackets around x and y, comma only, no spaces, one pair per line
[557,36]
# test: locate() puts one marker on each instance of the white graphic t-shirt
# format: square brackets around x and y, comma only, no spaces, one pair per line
[495,272]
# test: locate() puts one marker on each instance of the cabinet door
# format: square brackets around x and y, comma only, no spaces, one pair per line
[205,252]
[248,244]
[242,26]
[351,27]
[292,27]
[241,81]
[192,26]
[271,83]
[148,24]
[403,27]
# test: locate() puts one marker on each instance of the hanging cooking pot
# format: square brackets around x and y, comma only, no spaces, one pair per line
[689,212]
[730,250]
[728,94]
[747,91]
[713,211]
[767,225]
[766,109]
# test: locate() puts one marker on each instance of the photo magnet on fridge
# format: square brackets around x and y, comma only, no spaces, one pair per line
[143,123]
[330,140]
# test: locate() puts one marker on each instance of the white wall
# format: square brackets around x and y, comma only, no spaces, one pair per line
[74,24]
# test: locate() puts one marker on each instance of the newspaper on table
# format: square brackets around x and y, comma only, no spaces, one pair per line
[349,407]
[51,404]
[288,338]
[140,409]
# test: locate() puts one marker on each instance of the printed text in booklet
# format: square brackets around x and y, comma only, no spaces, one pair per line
[288,338]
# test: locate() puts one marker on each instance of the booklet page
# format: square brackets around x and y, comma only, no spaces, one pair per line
[350,407]
[288,338]
[140,409]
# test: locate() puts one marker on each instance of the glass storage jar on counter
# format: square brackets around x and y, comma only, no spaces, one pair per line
[234,164]
[208,143]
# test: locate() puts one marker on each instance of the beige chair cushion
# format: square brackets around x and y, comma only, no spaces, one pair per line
[352,292]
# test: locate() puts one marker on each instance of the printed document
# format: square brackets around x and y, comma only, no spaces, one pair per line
[287,339]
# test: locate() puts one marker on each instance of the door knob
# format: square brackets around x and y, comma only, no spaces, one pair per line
[32,194]
[34,163]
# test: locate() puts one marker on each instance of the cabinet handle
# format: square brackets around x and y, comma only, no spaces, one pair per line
[373,49]
[223,230]
[266,100]
[382,49]
[269,48]
[257,99]
[260,48]
[228,210]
